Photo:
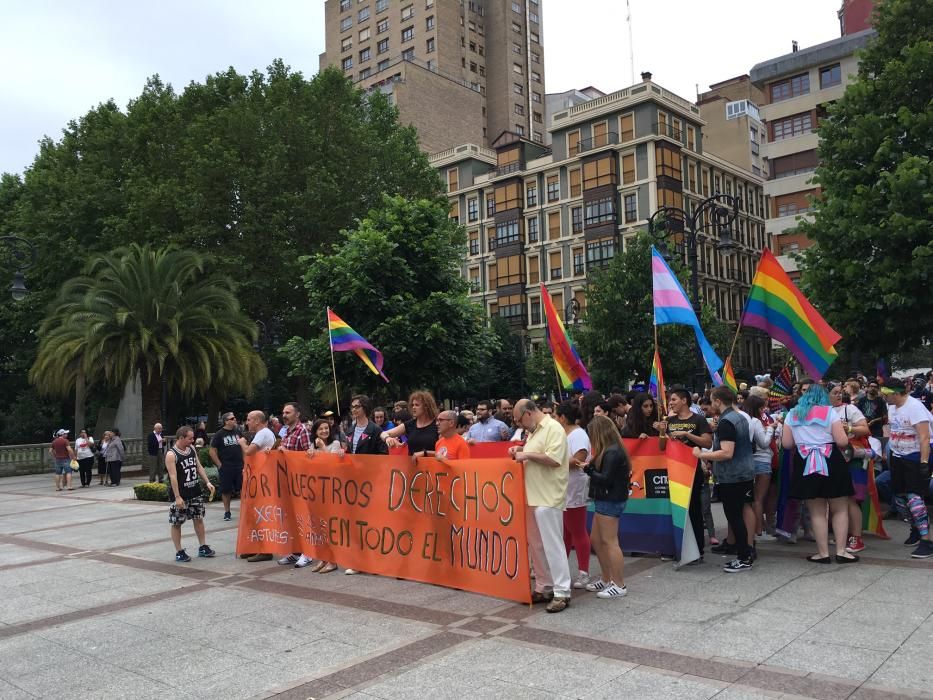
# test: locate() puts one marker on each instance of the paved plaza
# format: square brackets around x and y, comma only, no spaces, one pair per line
[92,605]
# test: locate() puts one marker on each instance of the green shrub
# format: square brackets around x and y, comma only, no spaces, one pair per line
[151,492]
[214,476]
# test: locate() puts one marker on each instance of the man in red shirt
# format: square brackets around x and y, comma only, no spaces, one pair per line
[62,454]
[451,444]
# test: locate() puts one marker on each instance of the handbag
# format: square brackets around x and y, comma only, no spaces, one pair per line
[74,465]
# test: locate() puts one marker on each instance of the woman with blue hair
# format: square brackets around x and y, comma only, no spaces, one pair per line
[820,473]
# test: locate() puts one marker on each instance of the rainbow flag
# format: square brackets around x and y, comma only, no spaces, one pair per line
[345,339]
[728,376]
[573,374]
[777,307]
[871,506]
[656,382]
[672,306]
[656,518]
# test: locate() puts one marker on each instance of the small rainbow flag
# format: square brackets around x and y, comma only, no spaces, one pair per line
[656,518]
[656,382]
[871,506]
[777,307]
[728,376]
[345,339]
[573,374]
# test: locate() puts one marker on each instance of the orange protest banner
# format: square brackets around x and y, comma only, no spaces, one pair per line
[454,523]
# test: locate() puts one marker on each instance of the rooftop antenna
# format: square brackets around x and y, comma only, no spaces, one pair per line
[631,45]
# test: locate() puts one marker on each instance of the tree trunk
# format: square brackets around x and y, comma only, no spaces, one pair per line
[214,405]
[80,397]
[152,403]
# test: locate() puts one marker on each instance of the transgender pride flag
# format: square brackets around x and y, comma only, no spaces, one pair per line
[672,306]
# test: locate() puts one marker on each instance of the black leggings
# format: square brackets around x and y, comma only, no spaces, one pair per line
[734,498]
[85,466]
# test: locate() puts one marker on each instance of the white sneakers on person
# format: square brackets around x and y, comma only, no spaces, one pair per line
[303,561]
[351,572]
[597,586]
[288,561]
[581,580]
[613,591]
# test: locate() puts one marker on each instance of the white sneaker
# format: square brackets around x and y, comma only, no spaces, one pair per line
[351,572]
[597,585]
[303,561]
[613,591]
[582,579]
[289,560]
[765,537]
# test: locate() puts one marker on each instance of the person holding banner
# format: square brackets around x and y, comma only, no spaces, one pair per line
[578,484]
[421,430]
[640,420]
[546,459]
[296,439]
[263,441]
[450,444]
[610,472]
[365,438]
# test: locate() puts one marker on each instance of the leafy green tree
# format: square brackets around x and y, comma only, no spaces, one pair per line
[616,341]
[395,278]
[254,170]
[870,270]
[151,312]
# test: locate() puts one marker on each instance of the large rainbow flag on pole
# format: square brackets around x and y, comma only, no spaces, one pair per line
[345,339]
[671,305]
[570,369]
[777,307]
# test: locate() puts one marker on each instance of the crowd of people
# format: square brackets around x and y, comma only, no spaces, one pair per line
[575,461]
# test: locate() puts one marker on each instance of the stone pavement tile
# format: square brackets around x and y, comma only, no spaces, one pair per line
[870,692]
[789,682]
[898,585]
[908,667]
[570,674]
[492,658]
[684,609]
[18,607]
[922,636]
[801,596]
[853,663]
[100,637]
[11,554]
[591,615]
[245,680]
[316,658]
[81,678]
[498,689]
[645,683]
[29,653]
[8,691]
[428,681]
[77,513]
[743,692]
[100,536]
[880,626]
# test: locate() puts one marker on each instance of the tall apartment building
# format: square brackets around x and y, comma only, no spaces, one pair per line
[535,214]
[796,89]
[734,130]
[460,72]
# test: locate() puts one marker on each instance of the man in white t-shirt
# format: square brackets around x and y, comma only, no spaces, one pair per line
[910,463]
[263,441]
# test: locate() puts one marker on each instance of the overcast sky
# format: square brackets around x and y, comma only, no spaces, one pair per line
[61,58]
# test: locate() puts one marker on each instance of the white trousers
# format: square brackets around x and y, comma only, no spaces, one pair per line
[546,544]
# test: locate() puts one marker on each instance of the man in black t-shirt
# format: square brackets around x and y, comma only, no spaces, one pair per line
[692,430]
[184,468]
[227,455]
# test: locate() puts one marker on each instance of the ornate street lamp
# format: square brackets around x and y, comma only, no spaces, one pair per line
[22,255]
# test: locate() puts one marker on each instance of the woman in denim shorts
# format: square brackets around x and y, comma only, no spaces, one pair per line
[609,473]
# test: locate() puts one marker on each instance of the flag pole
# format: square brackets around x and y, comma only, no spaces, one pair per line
[333,366]
[657,402]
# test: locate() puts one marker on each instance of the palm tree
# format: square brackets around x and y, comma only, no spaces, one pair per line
[151,312]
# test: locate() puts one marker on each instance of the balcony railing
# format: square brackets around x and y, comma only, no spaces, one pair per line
[510,168]
[607,139]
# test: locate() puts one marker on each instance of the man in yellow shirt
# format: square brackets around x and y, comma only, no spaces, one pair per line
[546,459]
